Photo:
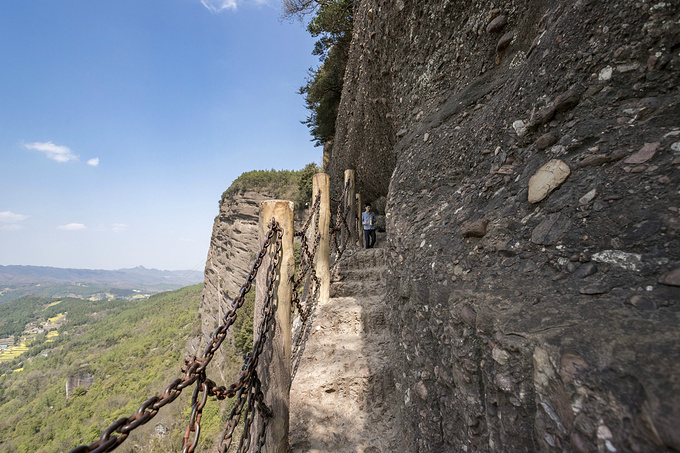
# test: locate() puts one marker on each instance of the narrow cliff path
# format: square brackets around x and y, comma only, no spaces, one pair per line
[342,399]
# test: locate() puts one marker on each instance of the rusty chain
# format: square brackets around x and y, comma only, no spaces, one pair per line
[306,265]
[194,369]
[309,283]
[246,379]
[340,222]
[247,389]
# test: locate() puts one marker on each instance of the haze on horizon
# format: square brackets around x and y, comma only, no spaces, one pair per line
[123,123]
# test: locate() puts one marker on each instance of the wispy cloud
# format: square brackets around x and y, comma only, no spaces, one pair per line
[94,162]
[217,6]
[52,151]
[72,227]
[9,221]
[11,217]
[119,227]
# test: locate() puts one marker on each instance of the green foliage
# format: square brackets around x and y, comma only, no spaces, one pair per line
[293,185]
[16,314]
[81,390]
[332,23]
[276,182]
[134,349]
[306,176]
[243,326]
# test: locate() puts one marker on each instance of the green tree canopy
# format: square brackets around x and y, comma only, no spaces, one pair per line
[331,22]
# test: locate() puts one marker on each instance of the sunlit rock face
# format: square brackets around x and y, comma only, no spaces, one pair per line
[555,326]
[233,246]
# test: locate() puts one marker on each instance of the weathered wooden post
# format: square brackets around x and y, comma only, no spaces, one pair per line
[274,365]
[321,182]
[351,236]
[359,225]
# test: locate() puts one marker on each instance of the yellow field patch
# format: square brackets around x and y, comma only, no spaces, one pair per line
[13,352]
[56,318]
[54,303]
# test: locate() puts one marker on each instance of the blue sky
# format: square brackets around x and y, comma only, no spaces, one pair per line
[121,124]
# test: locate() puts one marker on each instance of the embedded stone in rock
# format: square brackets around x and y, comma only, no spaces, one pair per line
[567,100]
[586,270]
[644,154]
[548,178]
[421,390]
[587,198]
[505,41]
[619,258]
[469,316]
[546,140]
[497,24]
[520,128]
[550,230]
[476,229]
[571,364]
[641,302]
[671,278]
[605,73]
[543,116]
[595,160]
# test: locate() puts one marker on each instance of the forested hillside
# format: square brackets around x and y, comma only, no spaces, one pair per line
[131,351]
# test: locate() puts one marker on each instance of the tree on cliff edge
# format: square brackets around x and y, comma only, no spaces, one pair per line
[332,23]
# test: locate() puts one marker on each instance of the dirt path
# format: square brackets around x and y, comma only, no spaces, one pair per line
[342,392]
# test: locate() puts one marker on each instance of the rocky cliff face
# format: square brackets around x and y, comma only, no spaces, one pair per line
[233,245]
[530,155]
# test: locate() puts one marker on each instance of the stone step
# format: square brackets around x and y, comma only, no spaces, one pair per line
[357,288]
[378,273]
[361,259]
[341,393]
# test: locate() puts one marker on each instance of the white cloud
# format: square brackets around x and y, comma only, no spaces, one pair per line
[93,162]
[72,227]
[217,6]
[52,151]
[11,217]
[119,227]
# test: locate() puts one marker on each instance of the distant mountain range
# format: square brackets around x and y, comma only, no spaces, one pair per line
[17,281]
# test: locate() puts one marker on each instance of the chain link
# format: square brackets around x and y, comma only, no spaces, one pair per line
[341,227]
[247,390]
[194,369]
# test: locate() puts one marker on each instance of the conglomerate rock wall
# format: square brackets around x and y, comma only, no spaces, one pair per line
[530,155]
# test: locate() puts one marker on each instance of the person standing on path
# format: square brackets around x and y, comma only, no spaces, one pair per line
[368,221]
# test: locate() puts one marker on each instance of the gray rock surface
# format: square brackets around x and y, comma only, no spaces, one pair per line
[233,245]
[498,346]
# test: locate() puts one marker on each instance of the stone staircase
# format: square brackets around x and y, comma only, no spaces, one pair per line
[342,397]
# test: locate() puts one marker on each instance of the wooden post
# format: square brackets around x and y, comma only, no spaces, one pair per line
[351,238]
[274,365]
[360,226]
[321,182]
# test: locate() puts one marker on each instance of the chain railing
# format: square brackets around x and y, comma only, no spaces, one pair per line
[306,284]
[247,388]
[341,227]
[247,391]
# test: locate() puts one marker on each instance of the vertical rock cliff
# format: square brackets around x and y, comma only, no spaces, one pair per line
[233,246]
[530,155]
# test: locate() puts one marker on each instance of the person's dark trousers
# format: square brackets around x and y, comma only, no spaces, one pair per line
[369,236]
